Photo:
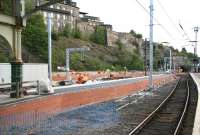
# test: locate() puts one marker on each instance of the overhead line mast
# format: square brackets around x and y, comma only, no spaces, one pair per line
[196,30]
[151,46]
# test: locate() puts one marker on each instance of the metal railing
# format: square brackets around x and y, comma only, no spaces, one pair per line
[7,87]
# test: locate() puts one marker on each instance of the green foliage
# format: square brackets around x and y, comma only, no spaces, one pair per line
[58,57]
[184,50]
[67,30]
[133,33]
[6,7]
[99,35]
[5,50]
[138,35]
[34,36]
[55,36]
[184,53]
[4,59]
[5,54]
[29,5]
[119,44]
[89,63]
[136,63]
[76,33]
[130,60]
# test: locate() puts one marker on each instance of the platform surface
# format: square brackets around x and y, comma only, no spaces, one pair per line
[196,128]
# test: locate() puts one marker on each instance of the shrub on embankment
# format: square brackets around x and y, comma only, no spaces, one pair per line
[100,57]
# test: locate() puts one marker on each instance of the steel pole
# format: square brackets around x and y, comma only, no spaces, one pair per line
[145,57]
[49,49]
[67,64]
[196,30]
[170,61]
[151,47]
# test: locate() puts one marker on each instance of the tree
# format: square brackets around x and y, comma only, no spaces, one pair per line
[184,50]
[55,35]
[138,36]
[120,44]
[133,33]
[76,33]
[99,35]
[34,36]
[67,30]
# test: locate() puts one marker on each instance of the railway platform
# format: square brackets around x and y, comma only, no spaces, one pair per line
[71,104]
[196,128]
[110,107]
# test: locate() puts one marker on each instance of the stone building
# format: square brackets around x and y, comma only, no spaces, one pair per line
[67,12]
[62,13]
[87,24]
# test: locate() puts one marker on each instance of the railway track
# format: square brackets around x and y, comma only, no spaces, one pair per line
[168,117]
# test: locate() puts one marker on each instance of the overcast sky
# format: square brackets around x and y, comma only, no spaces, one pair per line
[128,14]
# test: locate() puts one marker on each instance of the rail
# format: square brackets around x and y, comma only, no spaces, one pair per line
[150,116]
[184,111]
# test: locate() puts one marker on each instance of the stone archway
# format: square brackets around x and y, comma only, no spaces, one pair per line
[11,34]
[6,53]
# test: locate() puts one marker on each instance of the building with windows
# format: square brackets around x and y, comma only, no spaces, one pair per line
[67,13]
[62,14]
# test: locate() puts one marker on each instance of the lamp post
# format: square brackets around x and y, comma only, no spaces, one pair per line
[49,49]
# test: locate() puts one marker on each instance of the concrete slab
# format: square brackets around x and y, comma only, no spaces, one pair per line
[196,128]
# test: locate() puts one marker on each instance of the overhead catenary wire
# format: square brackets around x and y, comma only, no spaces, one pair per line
[185,33]
[171,20]
[162,26]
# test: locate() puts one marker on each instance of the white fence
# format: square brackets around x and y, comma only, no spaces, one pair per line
[31,72]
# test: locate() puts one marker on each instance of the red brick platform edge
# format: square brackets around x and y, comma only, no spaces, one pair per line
[56,103]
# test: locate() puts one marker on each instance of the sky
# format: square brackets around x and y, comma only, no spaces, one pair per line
[128,14]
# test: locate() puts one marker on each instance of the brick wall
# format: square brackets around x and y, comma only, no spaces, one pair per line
[75,99]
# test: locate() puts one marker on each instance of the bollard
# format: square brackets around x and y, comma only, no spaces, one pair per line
[18,90]
[38,87]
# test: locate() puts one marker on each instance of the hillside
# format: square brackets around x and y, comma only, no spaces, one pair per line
[35,49]
[121,56]
[98,58]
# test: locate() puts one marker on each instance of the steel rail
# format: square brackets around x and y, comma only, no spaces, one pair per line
[150,116]
[184,111]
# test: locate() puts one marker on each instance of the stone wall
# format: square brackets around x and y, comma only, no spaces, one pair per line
[87,24]
[60,20]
